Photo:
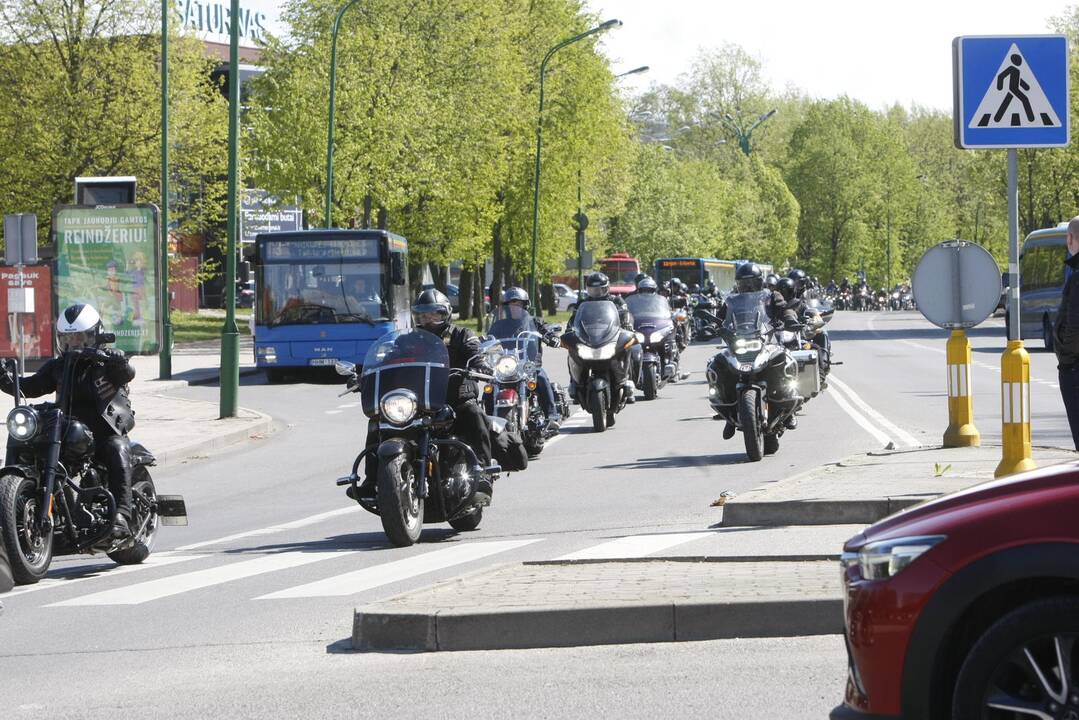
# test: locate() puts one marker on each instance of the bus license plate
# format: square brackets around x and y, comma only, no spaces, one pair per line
[323,361]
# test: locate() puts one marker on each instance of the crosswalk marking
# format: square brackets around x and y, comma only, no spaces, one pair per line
[391,572]
[166,587]
[66,577]
[293,525]
[634,546]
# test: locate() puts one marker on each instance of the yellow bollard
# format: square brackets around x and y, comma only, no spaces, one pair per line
[961,431]
[1015,410]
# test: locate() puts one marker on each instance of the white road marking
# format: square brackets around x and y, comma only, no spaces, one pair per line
[574,420]
[295,524]
[904,437]
[349,405]
[372,577]
[860,419]
[334,412]
[634,546]
[108,571]
[176,584]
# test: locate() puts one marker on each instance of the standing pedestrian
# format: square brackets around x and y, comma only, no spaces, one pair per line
[1066,334]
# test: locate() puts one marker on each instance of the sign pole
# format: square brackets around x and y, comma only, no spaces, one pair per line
[230,334]
[165,353]
[1015,362]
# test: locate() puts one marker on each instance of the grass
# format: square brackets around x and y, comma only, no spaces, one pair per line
[192,327]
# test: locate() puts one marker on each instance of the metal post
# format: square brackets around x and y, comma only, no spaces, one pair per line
[18,319]
[330,124]
[230,334]
[1015,362]
[580,239]
[165,354]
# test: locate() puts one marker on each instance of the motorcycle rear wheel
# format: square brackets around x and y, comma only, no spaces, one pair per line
[650,383]
[749,419]
[144,496]
[399,505]
[30,553]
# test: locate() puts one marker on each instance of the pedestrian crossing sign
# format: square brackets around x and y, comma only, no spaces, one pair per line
[1011,91]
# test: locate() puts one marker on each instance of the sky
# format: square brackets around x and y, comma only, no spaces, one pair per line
[877,51]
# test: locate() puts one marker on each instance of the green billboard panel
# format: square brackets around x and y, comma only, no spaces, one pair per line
[108,257]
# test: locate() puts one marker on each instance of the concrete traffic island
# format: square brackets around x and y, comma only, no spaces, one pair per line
[866,488]
[574,603]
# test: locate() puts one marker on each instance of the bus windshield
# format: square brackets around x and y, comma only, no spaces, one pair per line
[621,272]
[322,291]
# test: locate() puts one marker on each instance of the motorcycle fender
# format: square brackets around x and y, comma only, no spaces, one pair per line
[650,357]
[391,448]
[599,383]
[21,470]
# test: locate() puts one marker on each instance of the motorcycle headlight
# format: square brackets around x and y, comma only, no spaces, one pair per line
[506,367]
[399,406]
[658,335]
[887,558]
[606,352]
[680,316]
[747,346]
[22,423]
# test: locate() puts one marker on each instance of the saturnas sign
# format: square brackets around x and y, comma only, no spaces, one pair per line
[213,17]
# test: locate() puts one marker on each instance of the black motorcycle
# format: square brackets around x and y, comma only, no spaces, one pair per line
[515,362]
[656,334]
[425,474]
[704,309]
[54,496]
[595,342]
[753,380]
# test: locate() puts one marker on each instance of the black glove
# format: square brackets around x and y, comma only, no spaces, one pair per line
[113,358]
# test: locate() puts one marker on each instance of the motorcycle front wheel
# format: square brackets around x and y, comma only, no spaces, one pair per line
[749,419]
[399,505]
[29,550]
[650,382]
[598,405]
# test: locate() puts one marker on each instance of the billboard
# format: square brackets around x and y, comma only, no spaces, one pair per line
[37,327]
[260,212]
[108,257]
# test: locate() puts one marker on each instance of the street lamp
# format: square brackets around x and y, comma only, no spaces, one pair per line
[634,71]
[744,136]
[539,135]
[164,371]
[333,95]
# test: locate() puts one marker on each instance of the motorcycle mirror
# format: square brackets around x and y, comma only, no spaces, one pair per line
[343,367]
[556,329]
[106,338]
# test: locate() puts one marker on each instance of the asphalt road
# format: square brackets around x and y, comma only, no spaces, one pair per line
[276,558]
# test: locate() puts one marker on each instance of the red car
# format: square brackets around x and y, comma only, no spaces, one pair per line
[967,606]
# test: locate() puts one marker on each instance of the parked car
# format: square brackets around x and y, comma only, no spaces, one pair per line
[570,302]
[452,292]
[967,606]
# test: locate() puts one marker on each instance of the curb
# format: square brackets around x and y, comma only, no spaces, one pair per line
[262,424]
[155,386]
[519,628]
[815,512]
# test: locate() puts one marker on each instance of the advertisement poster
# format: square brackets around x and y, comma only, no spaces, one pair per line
[37,327]
[107,257]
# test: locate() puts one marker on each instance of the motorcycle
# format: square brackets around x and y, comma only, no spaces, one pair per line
[704,324]
[512,395]
[683,329]
[425,474]
[818,314]
[652,321]
[595,342]
[754,382]
[54,496]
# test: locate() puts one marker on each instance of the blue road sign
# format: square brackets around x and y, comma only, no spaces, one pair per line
[1011,92]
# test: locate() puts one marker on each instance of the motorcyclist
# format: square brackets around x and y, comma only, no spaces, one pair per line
[801,281]
[598,289]
[770,281]
[515,305]
[642,277]
[431,312]
[99,399]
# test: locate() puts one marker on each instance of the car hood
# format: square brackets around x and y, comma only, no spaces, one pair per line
[920,519]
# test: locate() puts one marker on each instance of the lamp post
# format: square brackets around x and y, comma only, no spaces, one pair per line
[164,371]
[230,334]
[333,97]
[744,136]
[539,136]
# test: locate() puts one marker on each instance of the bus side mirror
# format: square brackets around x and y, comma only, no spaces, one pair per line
[397,268]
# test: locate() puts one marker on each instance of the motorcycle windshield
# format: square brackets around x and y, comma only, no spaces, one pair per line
[747,313]
[413,360]
[596,323]
[509,333]
[649,311]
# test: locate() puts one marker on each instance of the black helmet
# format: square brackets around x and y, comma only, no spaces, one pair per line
[647,285]
[786,288]
[638,277]
[771,280]
[799,277]
[431,311]
[597,285]
[676,282]
[748,278]
[515,294]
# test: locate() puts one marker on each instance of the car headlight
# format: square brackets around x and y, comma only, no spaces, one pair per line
[22,423]
[399,406]
[887,558]
[506,367]
[747,346]
[605,352]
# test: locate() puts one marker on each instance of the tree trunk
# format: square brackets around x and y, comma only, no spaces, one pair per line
[477,299]
[383,219]
[547,298]
[499,263]
[367,202]
[466,285]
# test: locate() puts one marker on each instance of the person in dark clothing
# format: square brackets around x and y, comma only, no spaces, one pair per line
[98,393]
[598,288]
[432,312]
[1066,334]
[515,305]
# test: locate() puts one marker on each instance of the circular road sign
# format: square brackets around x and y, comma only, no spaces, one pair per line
[956,284]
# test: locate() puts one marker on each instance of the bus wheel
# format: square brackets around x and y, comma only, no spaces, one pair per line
[274,376]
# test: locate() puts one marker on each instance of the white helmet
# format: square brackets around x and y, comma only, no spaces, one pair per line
[77,327]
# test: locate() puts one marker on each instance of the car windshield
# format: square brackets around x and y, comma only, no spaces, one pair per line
[322,292]
[596,322]
[747,313]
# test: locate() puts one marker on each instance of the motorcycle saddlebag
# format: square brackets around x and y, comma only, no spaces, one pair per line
[808,373]
[507,446]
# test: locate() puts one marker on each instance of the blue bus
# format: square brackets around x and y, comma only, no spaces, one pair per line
[1042,273]
[701,271]
[325,295]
